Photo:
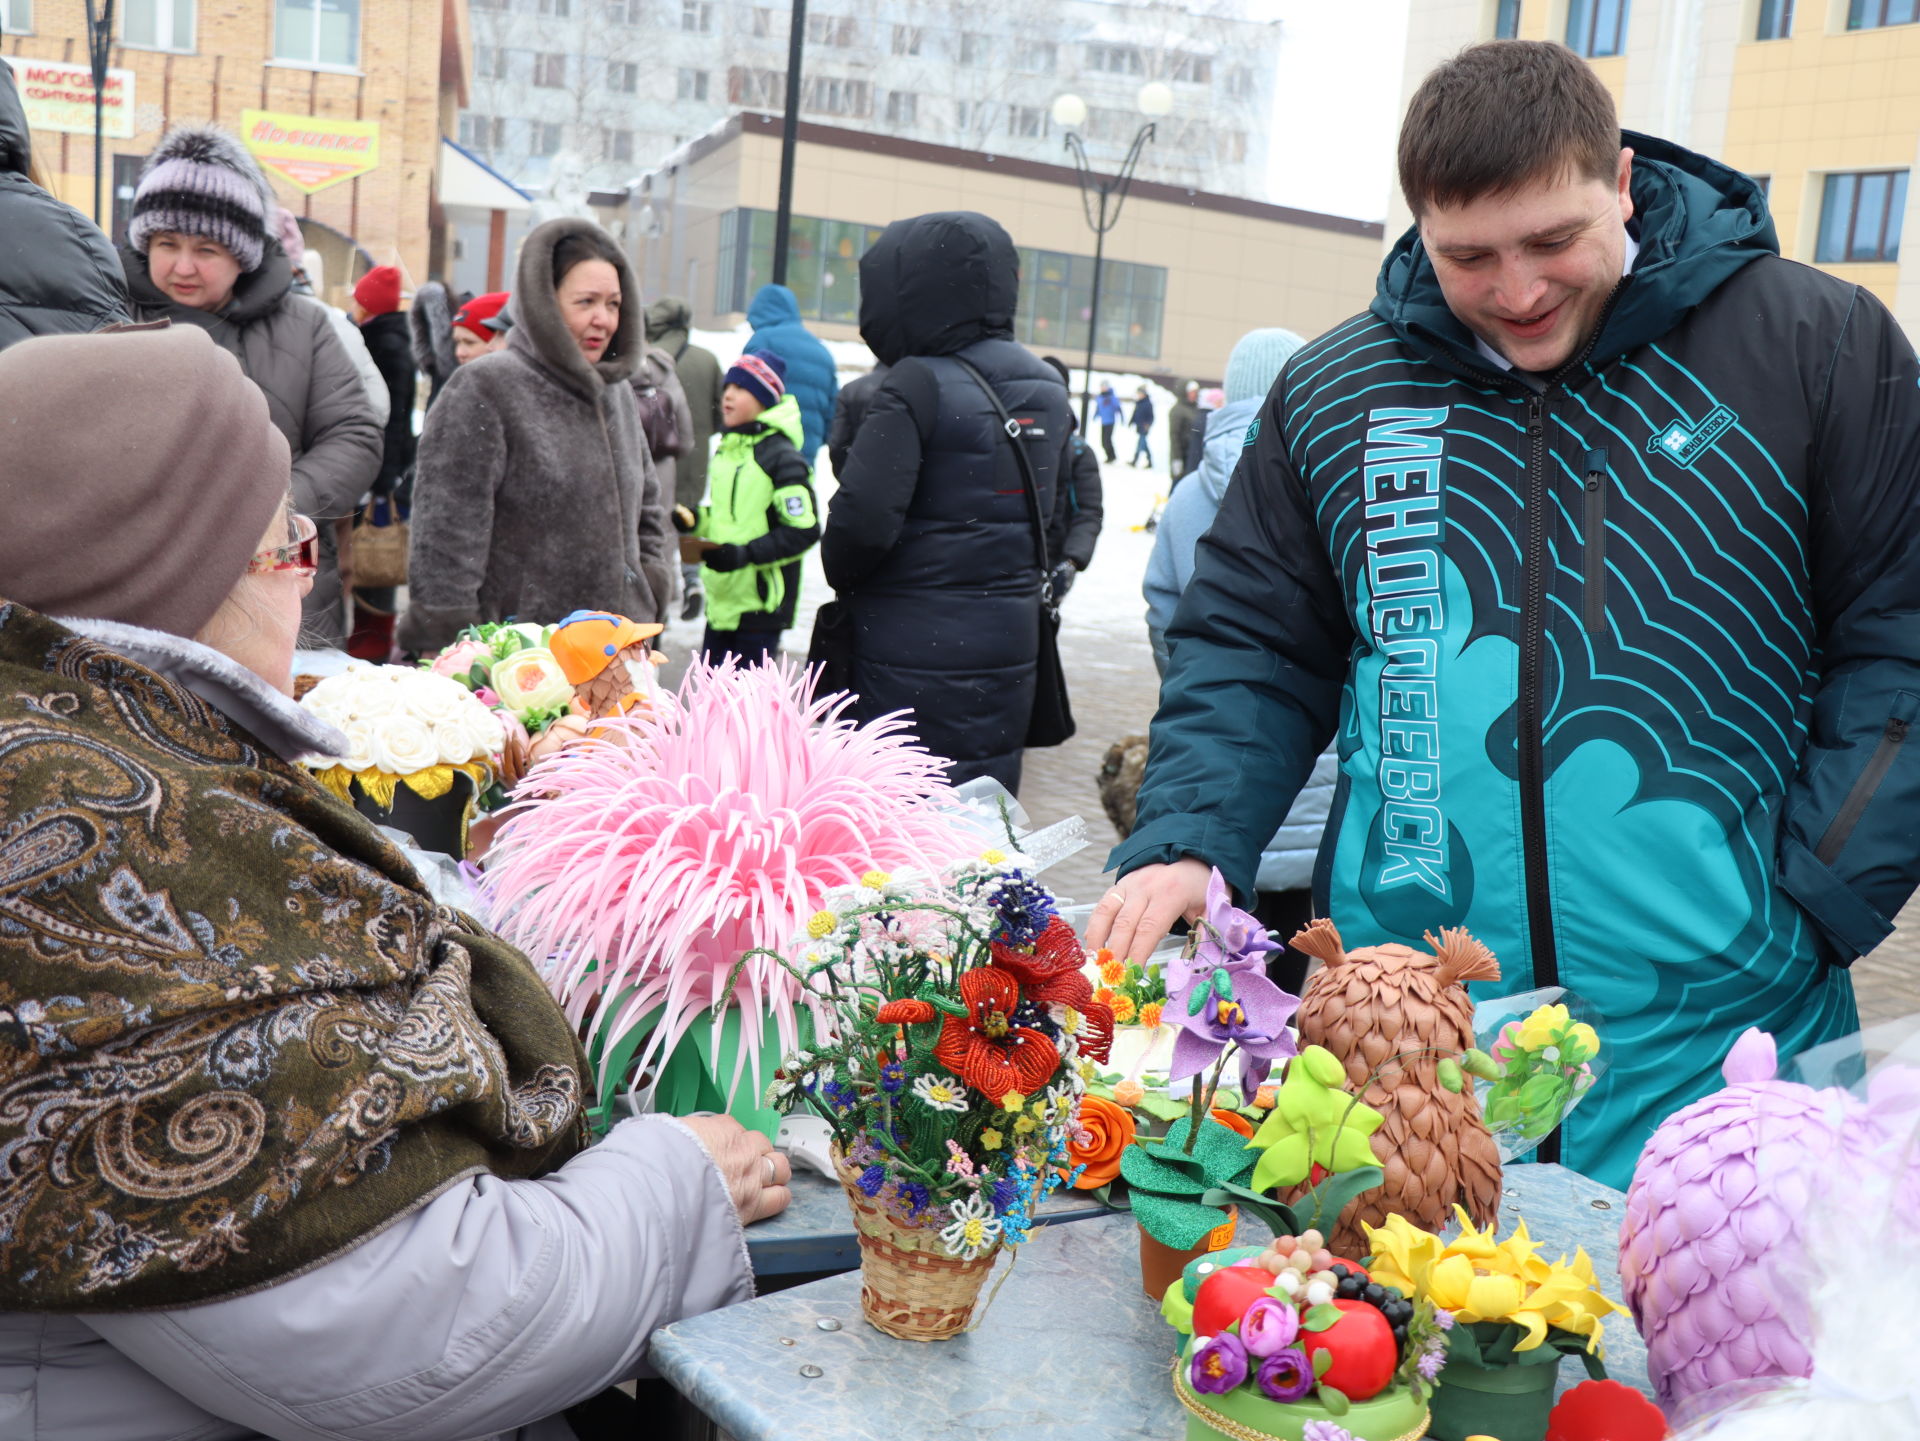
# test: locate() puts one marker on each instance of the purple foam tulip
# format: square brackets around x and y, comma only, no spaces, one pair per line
[1230,939]
[1255,1019]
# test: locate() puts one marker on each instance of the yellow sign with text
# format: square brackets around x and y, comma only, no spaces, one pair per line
[311,152]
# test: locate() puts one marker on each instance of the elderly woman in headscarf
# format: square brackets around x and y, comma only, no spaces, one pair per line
[286,1149]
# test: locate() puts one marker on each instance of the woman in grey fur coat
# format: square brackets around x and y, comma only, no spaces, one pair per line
[533,492]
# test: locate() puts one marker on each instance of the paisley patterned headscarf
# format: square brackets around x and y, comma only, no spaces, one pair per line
[236,1034]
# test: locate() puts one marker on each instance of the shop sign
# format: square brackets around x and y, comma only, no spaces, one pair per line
[60,97]
[311,152]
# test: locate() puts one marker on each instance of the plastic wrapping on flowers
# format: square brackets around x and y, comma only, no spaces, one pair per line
[1547,1047]
[952,1037]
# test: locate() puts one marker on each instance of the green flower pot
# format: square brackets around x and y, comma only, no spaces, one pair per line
[1510,1402]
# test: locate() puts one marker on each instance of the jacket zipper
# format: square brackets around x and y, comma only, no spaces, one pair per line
[1533,785]
[1834,840]
[1594,529]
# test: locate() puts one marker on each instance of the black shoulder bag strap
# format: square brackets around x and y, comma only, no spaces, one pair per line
[1052,719]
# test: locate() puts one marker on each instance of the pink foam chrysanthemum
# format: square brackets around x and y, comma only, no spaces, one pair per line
[638,870]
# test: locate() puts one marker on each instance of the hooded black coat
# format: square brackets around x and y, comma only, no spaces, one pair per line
[58,273]
[928,538]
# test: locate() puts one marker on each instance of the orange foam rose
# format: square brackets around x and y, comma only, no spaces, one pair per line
[1105,1131]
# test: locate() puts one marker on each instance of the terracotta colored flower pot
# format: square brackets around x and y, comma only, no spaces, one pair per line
[1161,1265]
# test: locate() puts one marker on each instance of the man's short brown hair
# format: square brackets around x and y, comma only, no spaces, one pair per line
[1501,115]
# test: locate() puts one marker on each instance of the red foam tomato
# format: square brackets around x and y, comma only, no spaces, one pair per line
[1224,1296]
[1363,1350]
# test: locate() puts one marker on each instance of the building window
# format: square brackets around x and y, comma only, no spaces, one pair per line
[906,39]
[1193,69]
[317,32]
[1232,147]
[823,262]
[757,89]
[1860,217]
[1239,82]
[697,16]
[1872,14]
[624,12]
[837,31]
[489,63]
[1765,182]
[624,76]
[1026,121]
[16,15]
[1776,20]
[617,144]
[560,9]
[550,71]
[1597,28]
[963,111]
[903,107]
[1116,59]
[1056,294]
[1506,19]
[692,85]
[1038,57]
[485,133]
[834,95]
[973,48]
[157,24]
[546,138]
[763,22]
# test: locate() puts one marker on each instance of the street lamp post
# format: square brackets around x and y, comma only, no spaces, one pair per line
[1102,197]
[789,141]
[99,51]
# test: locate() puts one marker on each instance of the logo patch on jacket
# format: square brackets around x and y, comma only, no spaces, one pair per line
[1253,433]
[795,505]
[1683,442]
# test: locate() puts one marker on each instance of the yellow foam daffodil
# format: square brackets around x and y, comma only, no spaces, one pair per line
[1478,1279]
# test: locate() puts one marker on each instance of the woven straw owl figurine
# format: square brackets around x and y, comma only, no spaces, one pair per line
[1370,1005]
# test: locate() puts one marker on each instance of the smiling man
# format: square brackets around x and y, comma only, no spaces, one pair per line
[1592,544]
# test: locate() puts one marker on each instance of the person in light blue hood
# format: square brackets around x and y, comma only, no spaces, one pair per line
[812,379]
[1283,885]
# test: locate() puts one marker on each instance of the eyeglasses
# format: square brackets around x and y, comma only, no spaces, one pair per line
[300,555]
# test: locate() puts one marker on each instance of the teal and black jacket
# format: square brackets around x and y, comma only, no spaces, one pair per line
[1621,663]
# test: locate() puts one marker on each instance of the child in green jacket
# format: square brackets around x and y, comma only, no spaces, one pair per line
[759,518]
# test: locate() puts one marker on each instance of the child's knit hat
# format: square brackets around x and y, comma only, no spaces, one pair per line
[760,373]
[200,180]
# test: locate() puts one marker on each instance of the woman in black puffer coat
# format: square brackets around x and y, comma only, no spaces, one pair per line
[58,273]
[928,538]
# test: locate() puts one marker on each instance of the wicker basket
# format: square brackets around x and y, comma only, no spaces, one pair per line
[909,1286]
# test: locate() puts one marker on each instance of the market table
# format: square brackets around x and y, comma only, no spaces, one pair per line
[814,1235]
[1068,1351]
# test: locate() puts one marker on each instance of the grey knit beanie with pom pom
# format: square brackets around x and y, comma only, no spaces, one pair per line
[200,180]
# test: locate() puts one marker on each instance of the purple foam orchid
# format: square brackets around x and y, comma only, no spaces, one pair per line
[1230,939]
[1240,1008]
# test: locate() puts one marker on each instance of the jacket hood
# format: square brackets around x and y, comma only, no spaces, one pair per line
[430,331]
[935,284]
[255,294]
[773,305]
[1699,220]
[782,417]
[670,318]
[1226,438]
[538,326]
[16,142]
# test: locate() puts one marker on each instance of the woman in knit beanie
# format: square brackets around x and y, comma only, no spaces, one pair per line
[305,1147]
[202,250]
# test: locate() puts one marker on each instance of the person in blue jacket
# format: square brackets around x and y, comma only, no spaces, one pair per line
[1594,545]
[812,379]
[1142,422]
[1106,410]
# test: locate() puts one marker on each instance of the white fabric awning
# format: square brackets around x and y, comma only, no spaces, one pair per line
[470,183]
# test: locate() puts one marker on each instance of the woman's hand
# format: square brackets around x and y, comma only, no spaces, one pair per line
[755,1173]
[1137,913]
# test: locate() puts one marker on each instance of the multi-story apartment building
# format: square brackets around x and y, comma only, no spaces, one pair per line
[1817,99]
[580,95]
[344,101]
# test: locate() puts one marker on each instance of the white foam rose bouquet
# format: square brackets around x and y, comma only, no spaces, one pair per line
[404,726]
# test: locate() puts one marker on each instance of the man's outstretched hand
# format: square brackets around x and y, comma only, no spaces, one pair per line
[1142,907]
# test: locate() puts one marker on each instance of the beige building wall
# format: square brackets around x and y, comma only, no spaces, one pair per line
[408,80]
[1824,100]
[1227,272]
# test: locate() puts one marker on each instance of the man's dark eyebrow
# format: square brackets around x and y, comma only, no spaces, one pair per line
[1548,233]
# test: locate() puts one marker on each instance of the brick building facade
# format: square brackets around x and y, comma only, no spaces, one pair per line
[398,64]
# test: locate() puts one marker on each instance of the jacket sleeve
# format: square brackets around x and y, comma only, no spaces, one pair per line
[493,1306]
[795,520]
[659,544]
[1850,854]
[840,433]
[1252,692]
[371,379]
[340,447]
[1088,508]
[396,376]
[883,470]
[461,462]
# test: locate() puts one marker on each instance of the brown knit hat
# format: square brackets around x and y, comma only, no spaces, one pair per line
[139,471]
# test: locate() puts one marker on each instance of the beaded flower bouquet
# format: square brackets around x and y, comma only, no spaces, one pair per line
[951,1040]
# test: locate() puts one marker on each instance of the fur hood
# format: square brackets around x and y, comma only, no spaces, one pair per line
[430,327]
[538,326]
